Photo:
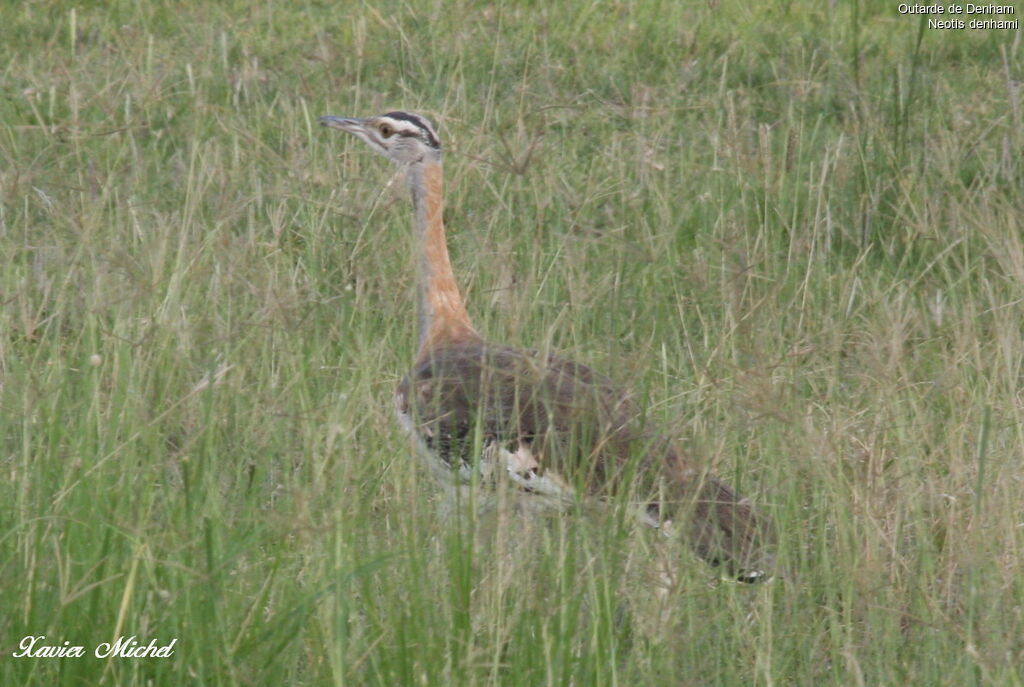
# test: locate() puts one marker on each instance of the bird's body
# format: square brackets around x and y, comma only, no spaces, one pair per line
[554,429]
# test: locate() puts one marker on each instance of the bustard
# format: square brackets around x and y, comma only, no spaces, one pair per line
[554,428]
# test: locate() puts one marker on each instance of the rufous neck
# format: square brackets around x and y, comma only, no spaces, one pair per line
[442,312]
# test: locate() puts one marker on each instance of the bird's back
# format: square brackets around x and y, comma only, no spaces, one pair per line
[468,395]
[559,430]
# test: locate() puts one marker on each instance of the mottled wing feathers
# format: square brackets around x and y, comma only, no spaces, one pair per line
[557,428]
[569,416]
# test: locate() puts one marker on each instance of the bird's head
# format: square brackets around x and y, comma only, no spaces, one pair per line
[401,137]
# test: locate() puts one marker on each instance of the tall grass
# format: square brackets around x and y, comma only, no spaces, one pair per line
[794,228]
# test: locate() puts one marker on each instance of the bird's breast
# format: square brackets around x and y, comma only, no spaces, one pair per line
[516,465]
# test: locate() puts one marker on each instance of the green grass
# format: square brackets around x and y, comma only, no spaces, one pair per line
[795,228]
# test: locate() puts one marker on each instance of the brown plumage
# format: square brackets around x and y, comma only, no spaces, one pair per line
[555,428]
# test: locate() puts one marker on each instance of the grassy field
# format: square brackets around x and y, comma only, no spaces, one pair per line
[796,230]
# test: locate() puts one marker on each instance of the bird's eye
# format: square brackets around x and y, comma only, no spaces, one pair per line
[386,130]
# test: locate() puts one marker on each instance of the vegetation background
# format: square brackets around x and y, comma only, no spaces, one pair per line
[793,227]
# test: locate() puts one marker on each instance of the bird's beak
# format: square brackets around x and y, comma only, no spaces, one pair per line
[349,124]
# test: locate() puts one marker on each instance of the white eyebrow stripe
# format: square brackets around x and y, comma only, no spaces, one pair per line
[401,127]
[407,124]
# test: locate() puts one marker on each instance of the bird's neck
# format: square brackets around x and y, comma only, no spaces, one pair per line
[442,312]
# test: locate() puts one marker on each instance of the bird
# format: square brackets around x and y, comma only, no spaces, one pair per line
[550,428]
